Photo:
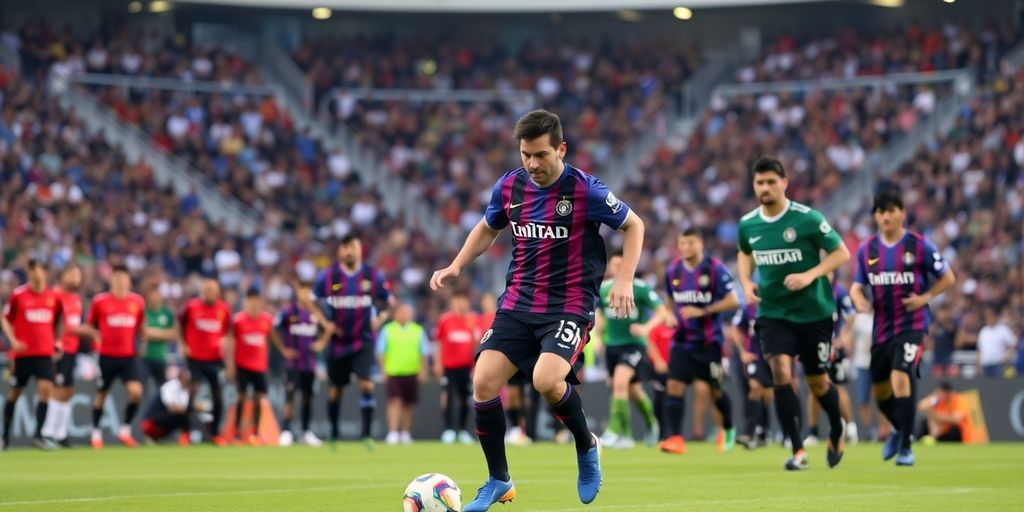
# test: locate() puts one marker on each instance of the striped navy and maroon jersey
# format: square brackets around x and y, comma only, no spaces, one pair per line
[298,329]
[745,320]
[348,300]
[890,274]
[702,286]
[558,257]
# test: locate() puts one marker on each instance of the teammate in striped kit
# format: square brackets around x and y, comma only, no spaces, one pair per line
[904,271]
[701,289]
[554,211]
[349,291]
[298,324]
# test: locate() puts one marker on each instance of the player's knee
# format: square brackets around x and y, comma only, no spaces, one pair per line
[546,384]
[486,389]
[818,385]
[675,388]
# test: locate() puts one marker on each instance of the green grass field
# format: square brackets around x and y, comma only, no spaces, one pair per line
[349,478]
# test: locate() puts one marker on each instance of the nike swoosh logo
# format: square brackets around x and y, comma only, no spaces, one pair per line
[872,261]
[754,239]
[513,206]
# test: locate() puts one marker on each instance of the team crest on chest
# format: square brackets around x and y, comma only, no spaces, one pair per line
[908,258]
[675,282]
[564,207]
[789,235]
[366,285]
[703,281]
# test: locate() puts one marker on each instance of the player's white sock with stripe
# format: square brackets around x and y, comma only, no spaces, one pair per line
[49,426]
[63,420]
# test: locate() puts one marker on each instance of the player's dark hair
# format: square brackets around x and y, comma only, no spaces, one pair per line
[887,199]
[692,232]
[36,263]
[537,124]
[252,292]
[460,292]
[350,237]
[304,284]
[769,164]
[120,267]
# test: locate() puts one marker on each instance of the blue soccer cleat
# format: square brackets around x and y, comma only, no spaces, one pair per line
[891,446]
[905,458]
[589,482]
[493,491]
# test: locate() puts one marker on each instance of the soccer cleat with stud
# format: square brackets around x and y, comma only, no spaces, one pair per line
[726,440]
[892,445]
[493,491]
[589,482]
[674,445]
[905,458]
[797,462]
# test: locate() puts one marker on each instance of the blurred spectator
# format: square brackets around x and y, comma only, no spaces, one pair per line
[943,337]
[944,415]
[997,344]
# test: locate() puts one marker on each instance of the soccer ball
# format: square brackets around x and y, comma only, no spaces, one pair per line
[432,492]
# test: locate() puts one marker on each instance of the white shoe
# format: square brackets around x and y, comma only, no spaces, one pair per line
[392,438]
[852,437]
[513,435]
[466,438]
[811,441]
[311,439]
[624,443]
[609,438]
[448,436]
[653,435]
[406,437]
[286,439]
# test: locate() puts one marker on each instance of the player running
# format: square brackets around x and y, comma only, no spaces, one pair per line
[757,377]
[456,336]
[625,347]
[297,324]
[119,316]
[783,239]
[205,322]
[904,272]
[546,311]
[250,329]
[350,289]
[701,289]
[32,322]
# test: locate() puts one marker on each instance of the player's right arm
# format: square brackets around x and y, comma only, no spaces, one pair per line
[860,279]
[10,309]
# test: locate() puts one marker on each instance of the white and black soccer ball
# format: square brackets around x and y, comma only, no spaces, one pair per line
[432,492]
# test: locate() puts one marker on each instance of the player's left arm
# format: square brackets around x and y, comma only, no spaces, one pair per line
[933,264]
[275,339]
[825,238]
[621,295]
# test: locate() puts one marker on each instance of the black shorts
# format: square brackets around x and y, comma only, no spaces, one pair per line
[811,341]
[704,363]
[40,367]
[523,337]
[901,353]
[458,381]
[209,371]
[65,376]
[405,388]
[113,368]
[340,369]
[633,356]
[246,379]
[759,371]
[298,380]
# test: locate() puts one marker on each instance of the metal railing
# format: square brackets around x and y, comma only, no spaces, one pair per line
[168,169]
[877,81]
[280,67]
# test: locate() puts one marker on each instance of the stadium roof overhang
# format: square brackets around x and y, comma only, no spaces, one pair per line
[496,5]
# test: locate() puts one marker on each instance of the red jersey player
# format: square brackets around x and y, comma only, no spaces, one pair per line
[31,321]
[119,316]
[250,330]
[457,335]
[205,322]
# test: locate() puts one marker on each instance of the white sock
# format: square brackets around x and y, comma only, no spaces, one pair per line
[49,425]
[126,430]
[97,434]
[64,420]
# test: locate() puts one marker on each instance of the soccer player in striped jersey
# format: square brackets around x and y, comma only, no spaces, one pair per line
[32,322]
[701,290]
[837,366]
[903,271]
[350,292]
[554,211]
[784,240]
[119,316]
[298,324]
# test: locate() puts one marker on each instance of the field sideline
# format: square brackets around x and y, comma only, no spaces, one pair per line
[303,479]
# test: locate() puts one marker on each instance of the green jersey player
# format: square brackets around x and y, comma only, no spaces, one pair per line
[784,240]
[624,341]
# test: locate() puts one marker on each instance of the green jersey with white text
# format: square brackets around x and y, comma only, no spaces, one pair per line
[616,330]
